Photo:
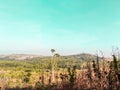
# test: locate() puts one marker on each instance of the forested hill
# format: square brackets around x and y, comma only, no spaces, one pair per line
[82,56]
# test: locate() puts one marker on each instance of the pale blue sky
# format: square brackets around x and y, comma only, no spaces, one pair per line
[69,26]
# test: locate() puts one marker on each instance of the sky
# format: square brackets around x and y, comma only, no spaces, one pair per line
[68,26]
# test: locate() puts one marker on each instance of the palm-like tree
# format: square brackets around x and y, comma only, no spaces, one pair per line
[53,64]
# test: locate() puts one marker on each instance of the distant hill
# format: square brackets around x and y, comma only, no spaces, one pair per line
[82,57]
[18,57]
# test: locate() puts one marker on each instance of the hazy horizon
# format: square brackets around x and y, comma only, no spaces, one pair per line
[68,26]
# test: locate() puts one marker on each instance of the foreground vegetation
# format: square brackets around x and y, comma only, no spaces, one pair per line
[60,73]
